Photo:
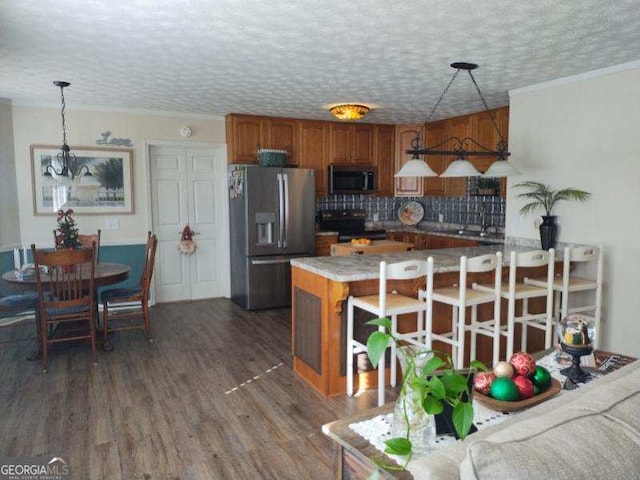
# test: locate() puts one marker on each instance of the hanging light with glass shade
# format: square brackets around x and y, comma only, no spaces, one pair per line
[415,167]
[68,169]
[465,147]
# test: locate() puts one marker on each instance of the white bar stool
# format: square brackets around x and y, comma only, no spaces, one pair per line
[520,291]
[460,297]
[387,305]
[565,284]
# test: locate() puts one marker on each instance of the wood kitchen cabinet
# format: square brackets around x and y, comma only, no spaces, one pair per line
[312,148]
[456,127]
[323,244]
[351,143]
[435,133]
[436,242]
[384,158]
[282,134]
[407,186]
[246,132]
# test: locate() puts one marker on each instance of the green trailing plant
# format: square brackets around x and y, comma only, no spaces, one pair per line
[435,385]
[541,196]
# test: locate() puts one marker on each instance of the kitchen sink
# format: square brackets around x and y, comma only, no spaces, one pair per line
[463,233]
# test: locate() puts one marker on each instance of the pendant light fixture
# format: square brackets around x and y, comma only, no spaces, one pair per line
[415,167]
[68,168]
[465,147]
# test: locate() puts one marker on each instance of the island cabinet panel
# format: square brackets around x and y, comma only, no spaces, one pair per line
[313,151]
[330,308]
[384,159]
[308,329]
[244,134]
[407,186]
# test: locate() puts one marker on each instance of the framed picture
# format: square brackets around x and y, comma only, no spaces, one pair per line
[99,181]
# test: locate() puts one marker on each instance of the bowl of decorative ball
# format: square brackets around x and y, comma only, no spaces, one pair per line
[514,385]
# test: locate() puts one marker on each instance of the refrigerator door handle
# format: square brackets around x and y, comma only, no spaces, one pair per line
[286,208]
[280,209]
[270,261]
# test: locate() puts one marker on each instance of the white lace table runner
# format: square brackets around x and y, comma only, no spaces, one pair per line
[378,429]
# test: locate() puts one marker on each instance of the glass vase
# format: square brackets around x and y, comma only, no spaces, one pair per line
[409,418]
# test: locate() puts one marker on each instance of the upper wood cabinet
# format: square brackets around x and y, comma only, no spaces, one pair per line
[407,186]
[384,158]
[350,143]
[435,134]
[312,148]
[244,134]
[483,132]
[282,134]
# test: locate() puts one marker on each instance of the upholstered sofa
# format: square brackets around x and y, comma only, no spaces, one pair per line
[589,433]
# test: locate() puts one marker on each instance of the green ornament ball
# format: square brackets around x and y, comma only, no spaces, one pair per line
[536,390]
[541,378]
[504,389]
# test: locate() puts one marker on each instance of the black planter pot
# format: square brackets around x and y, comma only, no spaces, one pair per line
[548,230]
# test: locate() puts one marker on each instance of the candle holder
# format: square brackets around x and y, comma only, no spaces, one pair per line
[576,337]
[575,371]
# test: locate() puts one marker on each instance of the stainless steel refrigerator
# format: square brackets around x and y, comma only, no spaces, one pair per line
[272,220]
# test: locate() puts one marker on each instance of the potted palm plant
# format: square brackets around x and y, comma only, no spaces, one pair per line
[542,197]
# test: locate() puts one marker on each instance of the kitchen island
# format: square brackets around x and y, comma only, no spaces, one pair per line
[321,285]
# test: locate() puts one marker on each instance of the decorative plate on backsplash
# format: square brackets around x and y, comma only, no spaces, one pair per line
[411,213]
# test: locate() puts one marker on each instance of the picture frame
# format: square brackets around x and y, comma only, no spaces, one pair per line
[102,183]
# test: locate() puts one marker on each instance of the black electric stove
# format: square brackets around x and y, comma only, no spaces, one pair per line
[349,224]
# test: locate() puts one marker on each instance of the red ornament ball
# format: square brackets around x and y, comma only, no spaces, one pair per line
[523,364]
[525,387]
[482,382]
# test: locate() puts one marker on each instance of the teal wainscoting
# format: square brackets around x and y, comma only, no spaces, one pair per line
[132,255]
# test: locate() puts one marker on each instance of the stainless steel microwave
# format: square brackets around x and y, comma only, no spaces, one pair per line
[352,178]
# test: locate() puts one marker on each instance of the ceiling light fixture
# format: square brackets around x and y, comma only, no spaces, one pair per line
[465,147]
[415,167]
[68,169]
[349,111]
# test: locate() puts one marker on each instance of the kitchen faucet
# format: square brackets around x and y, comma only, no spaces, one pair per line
[484,226]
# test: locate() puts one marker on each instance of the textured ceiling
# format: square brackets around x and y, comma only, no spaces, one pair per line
[289,58]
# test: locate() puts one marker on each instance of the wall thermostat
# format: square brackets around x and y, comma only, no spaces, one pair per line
[185,131]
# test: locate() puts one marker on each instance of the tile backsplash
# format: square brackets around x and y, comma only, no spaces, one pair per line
[466,210]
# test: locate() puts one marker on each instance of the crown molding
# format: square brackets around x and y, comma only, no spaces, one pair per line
[576,78]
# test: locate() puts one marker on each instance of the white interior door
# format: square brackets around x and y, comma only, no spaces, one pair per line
[188,187]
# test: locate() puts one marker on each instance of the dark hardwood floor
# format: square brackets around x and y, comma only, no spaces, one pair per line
[214,397]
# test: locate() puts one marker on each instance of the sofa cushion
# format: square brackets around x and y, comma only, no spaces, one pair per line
[444,464]
[594,436]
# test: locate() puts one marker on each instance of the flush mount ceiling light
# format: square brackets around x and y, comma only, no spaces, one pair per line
[465,147]
[68,168]
[349,111]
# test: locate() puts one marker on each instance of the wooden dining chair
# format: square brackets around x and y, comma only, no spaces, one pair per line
[66,297]
[131,302]
[86,240]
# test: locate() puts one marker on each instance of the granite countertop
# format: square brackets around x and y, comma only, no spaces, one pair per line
[440,231]
[352,268]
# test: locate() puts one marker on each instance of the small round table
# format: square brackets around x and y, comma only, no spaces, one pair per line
[105,274]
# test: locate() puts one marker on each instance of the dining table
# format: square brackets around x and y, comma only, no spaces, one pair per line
[105,274]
